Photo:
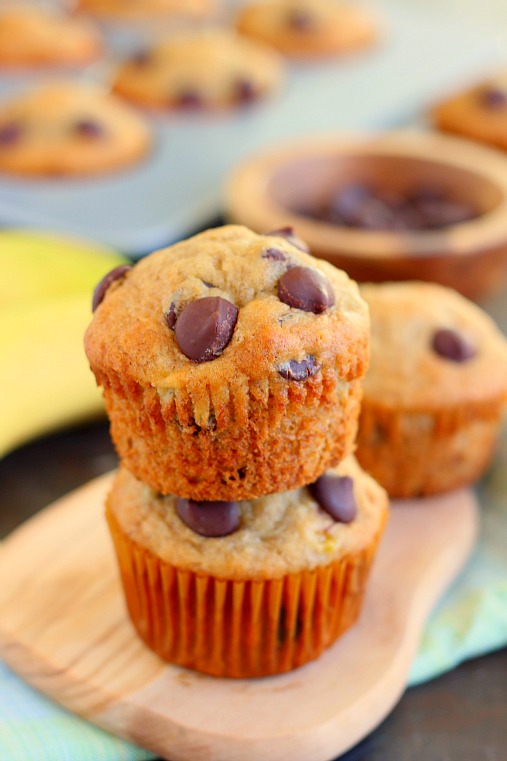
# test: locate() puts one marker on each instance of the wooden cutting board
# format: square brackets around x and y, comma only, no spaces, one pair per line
[64,629]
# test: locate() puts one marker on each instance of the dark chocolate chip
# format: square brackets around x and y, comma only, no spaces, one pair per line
[301,20]
[345,205]
[210,519]
[141,57]
[493,97]
[289,235]
[335,495]
[275,254]
[189,99]
[101,289]
[245,91]
[298,371]
[89,128]
[452,345]
[10,133]
[170,316]
[205,327]
[307,289]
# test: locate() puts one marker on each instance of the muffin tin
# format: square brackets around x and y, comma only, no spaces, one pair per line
[178,188]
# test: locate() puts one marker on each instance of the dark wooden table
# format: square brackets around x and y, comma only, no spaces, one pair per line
[462,716]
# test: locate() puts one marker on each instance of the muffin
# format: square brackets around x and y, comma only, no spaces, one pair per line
[215,69]
[435,390]
[138,10]
[308,28]
[69,129]
[261,587]
[32,36]
[231,364]
[478,112]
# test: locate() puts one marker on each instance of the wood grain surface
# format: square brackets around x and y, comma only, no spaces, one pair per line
[64,629]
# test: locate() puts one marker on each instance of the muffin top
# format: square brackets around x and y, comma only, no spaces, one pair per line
[207,69]
[431,348]
[480,109]
[307,27]
[69,128]
[229,306]
[146,9]
[32,36]
[278,534]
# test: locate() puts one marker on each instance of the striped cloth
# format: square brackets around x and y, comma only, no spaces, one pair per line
[470,620]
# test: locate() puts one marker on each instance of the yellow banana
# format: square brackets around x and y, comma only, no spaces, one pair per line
[46,286]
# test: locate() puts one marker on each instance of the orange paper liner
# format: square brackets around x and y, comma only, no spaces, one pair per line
[240,629]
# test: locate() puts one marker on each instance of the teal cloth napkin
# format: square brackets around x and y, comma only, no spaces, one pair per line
[471,619]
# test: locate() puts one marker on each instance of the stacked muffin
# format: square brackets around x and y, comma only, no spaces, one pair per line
[231,365]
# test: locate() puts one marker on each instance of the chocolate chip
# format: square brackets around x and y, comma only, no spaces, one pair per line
[289,235]
[298,371]
[101,289]
[452,345]
[10,133]
[301,20]
[210,519]
[89,128]
[423,208]
[335,495]
[170,316]
[189,99]
[245,91]
[493,97]
[275,254]
[141,58]
[205,327]
[306,289]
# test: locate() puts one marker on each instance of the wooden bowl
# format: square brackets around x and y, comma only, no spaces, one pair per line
[265,192]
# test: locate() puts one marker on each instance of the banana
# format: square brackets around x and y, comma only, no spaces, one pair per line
[45,299]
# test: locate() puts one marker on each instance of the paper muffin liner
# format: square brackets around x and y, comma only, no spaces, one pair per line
[239,628]
[421,453]
[236,441]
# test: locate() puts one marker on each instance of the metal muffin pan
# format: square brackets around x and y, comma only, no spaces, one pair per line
[422,53]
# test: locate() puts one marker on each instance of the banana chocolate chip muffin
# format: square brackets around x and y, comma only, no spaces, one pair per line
[251,588]
[308,28]
[32,36]
[69,129]
[435,390]
[214,69]
[139,10]
[478,112]
[231,364]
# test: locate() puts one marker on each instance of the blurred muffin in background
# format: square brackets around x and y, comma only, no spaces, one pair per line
[435,390]
[31,37]
[478,112]
[69,129]
[131,10]
[212,69]
[308,28]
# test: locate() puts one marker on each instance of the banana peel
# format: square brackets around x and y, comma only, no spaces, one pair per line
[45,306]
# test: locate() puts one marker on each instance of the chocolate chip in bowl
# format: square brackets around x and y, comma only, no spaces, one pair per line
[402,205]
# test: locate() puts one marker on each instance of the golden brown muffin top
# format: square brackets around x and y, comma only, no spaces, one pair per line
[134,332]
[279,534]
[431,348]
[32,36]
[69,128]
[135,10]
[308,27]
[214,68]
